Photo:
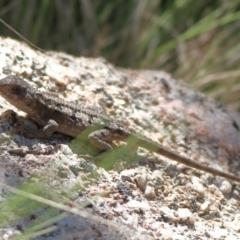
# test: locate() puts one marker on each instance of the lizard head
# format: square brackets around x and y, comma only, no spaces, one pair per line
[16,91]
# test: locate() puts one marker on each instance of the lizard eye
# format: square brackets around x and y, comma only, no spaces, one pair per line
[16,90]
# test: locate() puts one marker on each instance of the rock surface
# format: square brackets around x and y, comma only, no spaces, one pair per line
[141,200]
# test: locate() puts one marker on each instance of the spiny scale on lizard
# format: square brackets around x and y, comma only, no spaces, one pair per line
[57,115]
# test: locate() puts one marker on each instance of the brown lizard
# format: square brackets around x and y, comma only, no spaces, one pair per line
[57,115]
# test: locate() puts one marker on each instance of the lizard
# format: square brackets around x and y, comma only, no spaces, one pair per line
[55,114]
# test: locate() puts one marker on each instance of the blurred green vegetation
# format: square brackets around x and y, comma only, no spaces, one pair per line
[197,41]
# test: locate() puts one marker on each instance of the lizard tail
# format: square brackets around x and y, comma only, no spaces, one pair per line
[190,163]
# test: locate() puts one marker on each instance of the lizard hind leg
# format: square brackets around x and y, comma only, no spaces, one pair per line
[100,138]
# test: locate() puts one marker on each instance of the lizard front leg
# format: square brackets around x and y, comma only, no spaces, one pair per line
[29,129]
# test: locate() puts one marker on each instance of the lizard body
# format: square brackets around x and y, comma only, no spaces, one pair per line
[57,115]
